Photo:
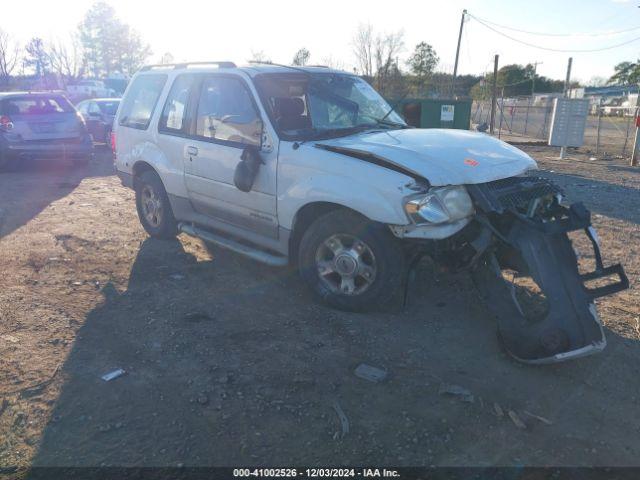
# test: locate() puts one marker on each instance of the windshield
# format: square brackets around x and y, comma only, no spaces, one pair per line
[304,106]
[108,108]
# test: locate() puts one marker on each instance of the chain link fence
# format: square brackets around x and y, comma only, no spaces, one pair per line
[610,130]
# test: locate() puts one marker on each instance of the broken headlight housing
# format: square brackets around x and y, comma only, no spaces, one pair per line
[440,205]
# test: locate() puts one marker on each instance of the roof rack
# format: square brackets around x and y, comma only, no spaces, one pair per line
[187,64]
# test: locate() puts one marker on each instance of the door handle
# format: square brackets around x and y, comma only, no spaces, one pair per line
[193,151]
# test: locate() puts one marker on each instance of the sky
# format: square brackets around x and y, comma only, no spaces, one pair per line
[194,30]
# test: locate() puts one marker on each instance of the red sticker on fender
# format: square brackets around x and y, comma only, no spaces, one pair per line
[471,162]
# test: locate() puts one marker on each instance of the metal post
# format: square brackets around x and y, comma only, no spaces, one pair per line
[547,110]
[455,65]
[494,95]
[526,117]
[501,112]
[636,142]
[626,135]
[599,124]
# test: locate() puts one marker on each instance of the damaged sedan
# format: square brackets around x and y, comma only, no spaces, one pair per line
[312,167]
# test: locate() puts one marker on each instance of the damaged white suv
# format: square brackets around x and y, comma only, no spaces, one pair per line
[310,166]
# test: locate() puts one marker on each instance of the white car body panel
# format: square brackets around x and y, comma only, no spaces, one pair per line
[297,174]
[310,174]
[443,156]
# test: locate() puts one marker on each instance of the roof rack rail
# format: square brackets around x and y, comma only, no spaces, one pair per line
[186,64]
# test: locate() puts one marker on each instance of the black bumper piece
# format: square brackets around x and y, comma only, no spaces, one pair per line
[570,326]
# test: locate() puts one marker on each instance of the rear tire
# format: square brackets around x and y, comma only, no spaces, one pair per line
[154,209]
[349,262]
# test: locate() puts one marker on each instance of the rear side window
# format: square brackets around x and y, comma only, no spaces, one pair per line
[140,101]
[39,105]
[174,113]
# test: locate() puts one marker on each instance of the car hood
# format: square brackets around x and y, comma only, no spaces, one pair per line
[443,157]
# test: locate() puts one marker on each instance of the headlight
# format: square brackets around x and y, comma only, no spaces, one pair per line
[440,205]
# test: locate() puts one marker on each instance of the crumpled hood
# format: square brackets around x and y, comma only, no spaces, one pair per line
[442,156]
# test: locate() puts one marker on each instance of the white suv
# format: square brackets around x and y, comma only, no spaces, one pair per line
[311,166]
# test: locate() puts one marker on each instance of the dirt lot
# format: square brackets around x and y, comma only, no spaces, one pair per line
[230,363]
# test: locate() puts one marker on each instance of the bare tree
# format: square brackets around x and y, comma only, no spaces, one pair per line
[66,58]
[363,43]
[301,58]
[260,56]
[331,62]
[9,54]
[377,54]
[386,50]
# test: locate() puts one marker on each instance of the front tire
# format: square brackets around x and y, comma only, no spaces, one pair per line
[154,209]
[349,262]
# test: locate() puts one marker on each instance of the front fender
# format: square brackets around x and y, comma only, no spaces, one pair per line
[358,196]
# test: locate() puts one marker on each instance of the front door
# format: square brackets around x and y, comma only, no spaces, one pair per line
[226,121]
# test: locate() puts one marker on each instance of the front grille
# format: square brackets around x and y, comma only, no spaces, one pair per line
[511,193]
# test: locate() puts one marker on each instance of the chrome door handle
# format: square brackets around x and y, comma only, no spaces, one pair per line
[193,151]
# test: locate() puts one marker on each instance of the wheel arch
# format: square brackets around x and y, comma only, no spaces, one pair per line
[140,167]
[305,216]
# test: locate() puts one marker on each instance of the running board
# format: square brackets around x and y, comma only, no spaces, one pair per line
[235,246]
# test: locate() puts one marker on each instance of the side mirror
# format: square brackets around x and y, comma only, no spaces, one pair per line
[247,169]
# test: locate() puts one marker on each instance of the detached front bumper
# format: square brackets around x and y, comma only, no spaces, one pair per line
[540,248]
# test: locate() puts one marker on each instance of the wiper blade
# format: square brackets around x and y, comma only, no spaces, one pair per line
[390,123]
[344,131]
[394,106]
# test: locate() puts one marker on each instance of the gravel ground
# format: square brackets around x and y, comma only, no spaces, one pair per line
[229,362]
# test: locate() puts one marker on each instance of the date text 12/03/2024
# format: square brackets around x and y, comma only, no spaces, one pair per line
[316,472]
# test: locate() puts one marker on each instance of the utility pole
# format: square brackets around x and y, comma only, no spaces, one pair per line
[567,81]
[494,95]
[455,65]
[636,144]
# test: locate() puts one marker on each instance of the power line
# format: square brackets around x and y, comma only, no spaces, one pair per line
[548,34]
[587,50]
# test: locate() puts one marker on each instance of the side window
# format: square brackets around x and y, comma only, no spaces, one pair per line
[82,108]
[174,113]
[226,112]
[140,101]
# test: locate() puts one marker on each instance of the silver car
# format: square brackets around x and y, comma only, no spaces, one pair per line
[41,126]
